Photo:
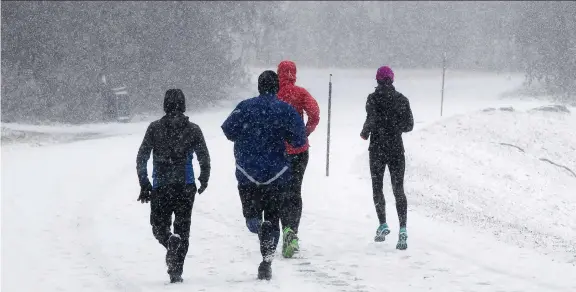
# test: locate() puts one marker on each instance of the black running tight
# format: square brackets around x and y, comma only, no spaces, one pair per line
[396,165]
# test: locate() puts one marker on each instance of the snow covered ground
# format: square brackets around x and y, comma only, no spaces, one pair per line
[483,214]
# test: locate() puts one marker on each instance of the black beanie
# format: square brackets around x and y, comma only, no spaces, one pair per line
[268,82]
[174,101]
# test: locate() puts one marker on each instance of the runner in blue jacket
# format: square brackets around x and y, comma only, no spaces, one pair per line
[259,127]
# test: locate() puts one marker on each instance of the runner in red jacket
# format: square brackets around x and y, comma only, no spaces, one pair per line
[303,102]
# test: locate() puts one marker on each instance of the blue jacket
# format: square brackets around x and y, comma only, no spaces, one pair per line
[259,127]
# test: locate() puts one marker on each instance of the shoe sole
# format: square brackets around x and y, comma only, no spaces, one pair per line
[174,242]
[264,275]
[403,245]
[381,238]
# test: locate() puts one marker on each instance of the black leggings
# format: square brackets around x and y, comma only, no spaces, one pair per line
[396,165]
[177,199]
[267,201]
[293,202]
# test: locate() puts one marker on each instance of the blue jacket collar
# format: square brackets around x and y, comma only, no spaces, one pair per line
[268,96]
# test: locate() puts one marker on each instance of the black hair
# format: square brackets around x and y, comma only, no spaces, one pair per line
[268,82]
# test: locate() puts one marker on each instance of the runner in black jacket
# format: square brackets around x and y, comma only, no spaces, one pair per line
[388,116]
[173,139]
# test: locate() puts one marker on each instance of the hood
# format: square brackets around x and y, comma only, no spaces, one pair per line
[287,73]
[174,101]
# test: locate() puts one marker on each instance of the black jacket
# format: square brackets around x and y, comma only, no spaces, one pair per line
[173,140]
[388,115]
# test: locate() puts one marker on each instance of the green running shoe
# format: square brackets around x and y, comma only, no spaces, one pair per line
[290,243]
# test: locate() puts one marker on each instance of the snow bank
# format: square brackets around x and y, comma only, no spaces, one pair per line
[508,173]
[41,135]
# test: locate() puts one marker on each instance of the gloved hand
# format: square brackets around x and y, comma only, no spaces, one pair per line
[253,224]
[145,191]
[203,186]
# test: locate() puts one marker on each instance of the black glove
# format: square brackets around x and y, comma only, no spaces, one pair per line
[145,191]
[364,134]
[203,186]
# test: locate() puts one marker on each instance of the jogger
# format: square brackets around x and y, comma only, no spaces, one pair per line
[259,128]
[388,115]
[173,140]
[304,103]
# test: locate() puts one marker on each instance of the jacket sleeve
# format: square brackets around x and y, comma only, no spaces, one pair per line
[202,154]
[406,123]
[370,118]
[312,110]
[295,128]
[233,124]
[143,156]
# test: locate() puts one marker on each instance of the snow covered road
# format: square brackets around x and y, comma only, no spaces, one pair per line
[482,216]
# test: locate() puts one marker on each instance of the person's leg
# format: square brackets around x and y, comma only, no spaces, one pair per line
[299,164]
[161,215]
[249,207]
[184,202]
[397,167]
[289,219]
[292,203]
[377,169]
[270,199]
[270,230]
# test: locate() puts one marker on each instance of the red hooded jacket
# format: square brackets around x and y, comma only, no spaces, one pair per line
[299,98]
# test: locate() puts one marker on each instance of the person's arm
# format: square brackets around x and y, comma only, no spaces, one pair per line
[202,154]
[234,123]
[370,118]
[295,128]
[312,110]
[143,156]
[406,123]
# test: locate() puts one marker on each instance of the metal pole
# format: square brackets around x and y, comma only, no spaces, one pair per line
[329,116]
[443,75]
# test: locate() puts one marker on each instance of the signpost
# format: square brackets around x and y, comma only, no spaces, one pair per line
[329,116]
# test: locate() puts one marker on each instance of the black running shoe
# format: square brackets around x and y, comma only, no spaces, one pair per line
[265,271]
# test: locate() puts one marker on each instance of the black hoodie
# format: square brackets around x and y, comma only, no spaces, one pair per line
[388,115]
[173,139]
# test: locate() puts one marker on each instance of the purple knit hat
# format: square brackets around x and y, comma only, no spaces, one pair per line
[383,73]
